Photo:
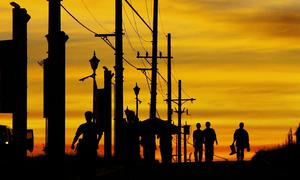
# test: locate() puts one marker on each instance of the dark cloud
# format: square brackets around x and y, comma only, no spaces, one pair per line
[248,114]
[280,23]
[251,16]
[266,89]
[239,57]
[218,4]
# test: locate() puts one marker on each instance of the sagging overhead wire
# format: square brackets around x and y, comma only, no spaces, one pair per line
[77,20]
[147,10]
[138,15]
[105,39]
[92,15]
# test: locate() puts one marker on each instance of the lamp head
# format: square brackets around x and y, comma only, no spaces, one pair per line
[136,89]
[94,62]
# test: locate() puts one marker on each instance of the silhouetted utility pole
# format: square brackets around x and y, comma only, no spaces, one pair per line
[107,131]
[54,85]
[154,61]
[119,145]
[154,74]
[169,100]
[180,101]
[179,121]
[186,131]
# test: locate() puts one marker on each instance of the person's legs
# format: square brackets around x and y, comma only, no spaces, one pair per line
[196,154]
[209,152]
[200,154]
[206,153]
[238,153]
[242,154]
[212,152]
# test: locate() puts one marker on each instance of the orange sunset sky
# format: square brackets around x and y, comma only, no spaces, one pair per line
[240,59]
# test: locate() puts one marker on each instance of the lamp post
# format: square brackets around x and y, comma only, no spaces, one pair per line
[136,92]
[94,65]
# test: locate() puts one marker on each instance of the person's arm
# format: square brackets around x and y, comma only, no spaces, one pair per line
[74,141]
[216,138]
[76,138]
[194,139]
[248,144]
[234,137]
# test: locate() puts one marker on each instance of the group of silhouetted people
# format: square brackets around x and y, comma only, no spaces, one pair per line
[208,138]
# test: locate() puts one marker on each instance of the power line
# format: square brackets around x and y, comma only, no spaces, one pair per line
[78,20]
[138,15]
[95,19]
[135,29]
[164,34]
[103,38]
[130,63]
[147,10]
[127,37]
[107,41]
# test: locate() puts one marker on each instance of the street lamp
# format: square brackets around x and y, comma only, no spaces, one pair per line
[94,65]
[136,92]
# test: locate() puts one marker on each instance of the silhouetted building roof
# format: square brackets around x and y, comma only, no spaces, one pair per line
[158,126]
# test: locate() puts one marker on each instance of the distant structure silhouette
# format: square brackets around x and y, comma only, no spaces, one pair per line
[165,142]
[241,140]
[290,137]
[297,133]
[132,140]
[148,144]
[87,146]
[13,78]
[55,85]
[210,138]
[198,141]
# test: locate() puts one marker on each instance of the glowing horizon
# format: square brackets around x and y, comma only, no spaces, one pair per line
[239,59]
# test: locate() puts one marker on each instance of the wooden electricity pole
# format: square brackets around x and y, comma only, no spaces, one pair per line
[180,101]
[154,61]
[119,145]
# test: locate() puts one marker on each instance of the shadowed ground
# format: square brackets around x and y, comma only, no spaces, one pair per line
[278,163]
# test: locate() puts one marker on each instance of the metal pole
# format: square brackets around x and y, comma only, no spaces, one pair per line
[169,81]
[107,131]
[184,147]
[119,147]
[154,61]
[94,95]
[179,121]
[137,106]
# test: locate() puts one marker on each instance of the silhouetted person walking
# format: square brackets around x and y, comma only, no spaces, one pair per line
[198,140]
[149,146]
[87,146]
[209,139]
[241,140]
[297,133]
[165,144]
[132,138]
